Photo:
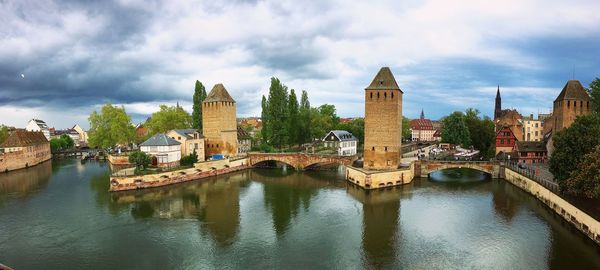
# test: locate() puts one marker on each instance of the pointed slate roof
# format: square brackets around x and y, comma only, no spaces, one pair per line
[573,90]
[218,93]
[160,139]
[384,80]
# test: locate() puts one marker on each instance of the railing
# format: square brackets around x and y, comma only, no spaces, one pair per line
[531,174]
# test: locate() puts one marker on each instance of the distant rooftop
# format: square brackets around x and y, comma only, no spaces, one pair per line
[573,90]
[160,139]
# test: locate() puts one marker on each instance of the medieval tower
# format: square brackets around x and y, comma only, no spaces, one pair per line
[572,101]
[219,125]
[383,122]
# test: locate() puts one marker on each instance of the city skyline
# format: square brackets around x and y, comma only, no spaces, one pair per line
[61,60]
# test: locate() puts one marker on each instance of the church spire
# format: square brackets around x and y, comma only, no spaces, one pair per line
[498,108]
[422,114]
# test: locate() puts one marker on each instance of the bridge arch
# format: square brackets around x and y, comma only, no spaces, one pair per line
[427,167]
[299,161]
[257,164]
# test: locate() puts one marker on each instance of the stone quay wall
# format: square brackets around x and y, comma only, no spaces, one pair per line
[369,179]
[22,159]
[582,221]
[201,170]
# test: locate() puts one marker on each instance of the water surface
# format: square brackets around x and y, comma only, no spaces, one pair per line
[60,216]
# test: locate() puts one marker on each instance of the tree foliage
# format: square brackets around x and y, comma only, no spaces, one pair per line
[110,127]
[264,116]
[293,127]
[481,132]
[277,114]
[570,147]
[455,130]
[199,96]
[63,142]
[3,133]
[140,159]
[168,118]
[304,119]
[356,127]
[189,159]
[585,180]
[595,93]
[406,134]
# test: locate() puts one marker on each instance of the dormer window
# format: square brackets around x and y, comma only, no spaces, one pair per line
[380,82]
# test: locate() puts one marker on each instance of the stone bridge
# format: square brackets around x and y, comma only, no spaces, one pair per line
[300,161]
[425,167]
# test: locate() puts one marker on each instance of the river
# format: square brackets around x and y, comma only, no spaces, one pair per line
[59,215]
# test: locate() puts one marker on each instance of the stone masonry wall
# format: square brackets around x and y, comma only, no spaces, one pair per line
[219,128]
[22,159]
[383,129]
[582,221]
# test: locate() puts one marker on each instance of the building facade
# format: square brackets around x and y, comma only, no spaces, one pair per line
[513,120]
[164,151]
[23,149]
[219,123]
[191,141]
[38,125]
[505,140]
[73,134]
[422,130]
[383,122]
[342,141]
[573,101]
[531,152]
[533,129]
[244,141]
[83,136]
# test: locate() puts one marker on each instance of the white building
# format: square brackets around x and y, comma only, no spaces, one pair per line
[164,151]
[343,141]
[83,136]
[38,125]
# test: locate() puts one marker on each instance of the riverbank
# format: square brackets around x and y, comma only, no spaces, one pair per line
[572,214]
[199,171]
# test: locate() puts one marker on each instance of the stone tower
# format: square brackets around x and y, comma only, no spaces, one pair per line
[219,125]
[383,122]
[572,101]
[498,108]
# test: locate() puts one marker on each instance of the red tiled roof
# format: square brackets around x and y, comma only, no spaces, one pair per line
[421,124]
[22,138]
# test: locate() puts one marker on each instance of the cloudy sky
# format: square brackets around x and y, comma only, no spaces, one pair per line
[77,55]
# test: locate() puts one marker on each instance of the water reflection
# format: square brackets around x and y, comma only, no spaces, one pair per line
[25,182]
[381,215]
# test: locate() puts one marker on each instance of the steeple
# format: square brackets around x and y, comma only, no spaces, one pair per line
[422,114]
[498,108]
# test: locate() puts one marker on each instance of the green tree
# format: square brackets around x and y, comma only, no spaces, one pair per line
[189,159]
[110,127]
[305,119]
[456,130]
[168,118]
[323,120]
[585,180]
[356,127]
[199,96]
[278,113]
[140,159]
[55,145]
[67,142]
[595,93]
[406,134]
[3,133]
[571,145]
[264,117]
[293,129]
[481,132]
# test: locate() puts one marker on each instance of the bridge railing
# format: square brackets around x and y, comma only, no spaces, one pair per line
[533,175]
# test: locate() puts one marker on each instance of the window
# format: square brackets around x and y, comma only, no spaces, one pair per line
[385,148]
[377,95]
[385,95]
[373,148]
[392,95]
[217,145]
[179,137]
[568,104]
[371,95]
